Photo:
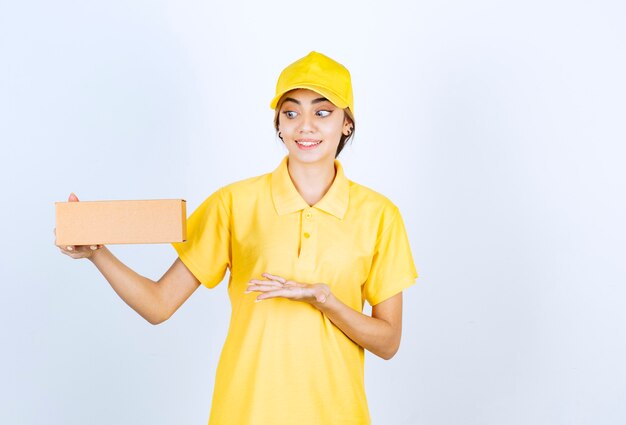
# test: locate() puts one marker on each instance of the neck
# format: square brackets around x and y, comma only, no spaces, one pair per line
[312,180]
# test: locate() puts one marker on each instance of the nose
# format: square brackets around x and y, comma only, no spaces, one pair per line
[306,124]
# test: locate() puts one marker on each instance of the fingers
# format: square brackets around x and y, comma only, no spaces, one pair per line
[279,287]
[274,278]
[77,247]
[282,280]
[262,286]
[266,283]
[273,283]
[271,291]
[292,293]
[79,251]
[71,251]
[284,293]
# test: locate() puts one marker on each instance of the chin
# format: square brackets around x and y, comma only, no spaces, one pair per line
[311,157]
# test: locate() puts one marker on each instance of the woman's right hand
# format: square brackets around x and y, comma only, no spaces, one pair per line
[78,251]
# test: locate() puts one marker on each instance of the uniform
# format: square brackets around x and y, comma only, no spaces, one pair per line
[284,362]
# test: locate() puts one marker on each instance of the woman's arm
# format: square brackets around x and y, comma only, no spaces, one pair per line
[154,301]
[379,334]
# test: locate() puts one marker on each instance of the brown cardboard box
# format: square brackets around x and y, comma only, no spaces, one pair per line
[120,222]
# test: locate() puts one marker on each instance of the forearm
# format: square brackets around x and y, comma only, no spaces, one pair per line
[379,334]
[375,335]
[139,292]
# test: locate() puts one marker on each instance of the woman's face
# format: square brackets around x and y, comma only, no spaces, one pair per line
[311,126]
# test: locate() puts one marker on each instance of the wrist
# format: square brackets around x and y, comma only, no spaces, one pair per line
[322,296]
[96,253]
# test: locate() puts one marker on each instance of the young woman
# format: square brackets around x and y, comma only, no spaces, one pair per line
[305,248]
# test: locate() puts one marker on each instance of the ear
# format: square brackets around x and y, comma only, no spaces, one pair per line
[347,126]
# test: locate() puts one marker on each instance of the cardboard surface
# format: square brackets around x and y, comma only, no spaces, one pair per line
[121,222]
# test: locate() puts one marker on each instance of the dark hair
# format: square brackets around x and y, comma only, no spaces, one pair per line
[344,138]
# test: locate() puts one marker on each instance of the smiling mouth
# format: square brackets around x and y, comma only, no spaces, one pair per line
[308,144]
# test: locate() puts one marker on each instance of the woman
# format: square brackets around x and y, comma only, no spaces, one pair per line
[305,248]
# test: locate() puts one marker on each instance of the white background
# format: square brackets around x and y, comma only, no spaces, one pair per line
[496,127]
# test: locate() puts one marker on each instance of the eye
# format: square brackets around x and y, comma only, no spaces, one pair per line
[323,113]
[290,114]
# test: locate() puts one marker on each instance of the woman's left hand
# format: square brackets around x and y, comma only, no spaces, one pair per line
[279,287]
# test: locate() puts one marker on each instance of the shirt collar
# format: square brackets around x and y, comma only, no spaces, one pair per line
[287,199]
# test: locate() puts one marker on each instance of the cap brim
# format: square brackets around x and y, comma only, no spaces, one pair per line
[328,94]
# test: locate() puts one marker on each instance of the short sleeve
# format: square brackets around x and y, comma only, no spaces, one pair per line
[207,253]
[393,269]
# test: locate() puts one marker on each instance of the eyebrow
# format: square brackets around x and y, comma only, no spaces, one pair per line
[318,100]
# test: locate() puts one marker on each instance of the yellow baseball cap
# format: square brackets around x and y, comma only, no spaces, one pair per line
[321,74]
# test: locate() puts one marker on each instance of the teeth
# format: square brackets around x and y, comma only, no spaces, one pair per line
[308,143]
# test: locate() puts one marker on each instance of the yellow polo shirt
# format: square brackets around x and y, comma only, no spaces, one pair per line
[284,362]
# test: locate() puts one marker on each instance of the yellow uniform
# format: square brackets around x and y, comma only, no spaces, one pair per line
[284,362]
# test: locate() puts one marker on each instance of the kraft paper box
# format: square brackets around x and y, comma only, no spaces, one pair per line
[121,222]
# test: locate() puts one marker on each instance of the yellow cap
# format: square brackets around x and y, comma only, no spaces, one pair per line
[321,74]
